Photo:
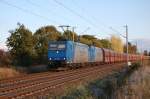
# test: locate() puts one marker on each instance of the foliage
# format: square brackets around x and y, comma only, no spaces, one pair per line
[105,43]
[89,37]
[116,44]
[20,45]
[8,72]
[5,58]
[97,43]
[91,40]
[85,41]
[145,52]
[131,48]
[69,35]
[41,38]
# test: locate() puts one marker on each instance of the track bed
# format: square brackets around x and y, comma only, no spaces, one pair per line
[41,84]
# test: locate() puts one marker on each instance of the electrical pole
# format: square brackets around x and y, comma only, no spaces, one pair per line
[136,47]
[73,29]
[127,44]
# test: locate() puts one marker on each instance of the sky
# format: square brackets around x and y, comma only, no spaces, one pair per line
[99,16]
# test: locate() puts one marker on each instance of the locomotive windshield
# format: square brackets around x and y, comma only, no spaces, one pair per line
[61,46]
[57,46]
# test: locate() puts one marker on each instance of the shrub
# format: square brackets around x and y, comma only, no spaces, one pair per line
[5,58]
[8,72]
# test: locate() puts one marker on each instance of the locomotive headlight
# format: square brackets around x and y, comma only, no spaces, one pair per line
[64,58]
[50,58]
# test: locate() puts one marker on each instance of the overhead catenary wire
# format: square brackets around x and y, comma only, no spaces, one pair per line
[80,16]
[38,5]
[27,11]
[87,20]
[116,31]
[44,17]
[75,13]
[84,11]
[102,23]
[46,9]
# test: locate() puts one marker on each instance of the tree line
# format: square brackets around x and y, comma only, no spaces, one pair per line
[146,53]
[27,48]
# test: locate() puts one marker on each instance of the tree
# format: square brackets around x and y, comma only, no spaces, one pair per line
[20,44]
[149,54]
[41,38]
[85,41]
[105,43]
[68,35]
[97,43]
[91,40]
[5,58]
[89,37]
[116,43]
[132,49]
[145,52]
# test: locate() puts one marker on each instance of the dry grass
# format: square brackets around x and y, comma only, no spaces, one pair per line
[7,73]
[138,85]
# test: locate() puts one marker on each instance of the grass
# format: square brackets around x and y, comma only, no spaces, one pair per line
[8,72]
[138,85]
[99,89]
[146,87]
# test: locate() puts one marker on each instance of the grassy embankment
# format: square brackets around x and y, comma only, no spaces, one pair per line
[6,72]
[137,85]
[99,89]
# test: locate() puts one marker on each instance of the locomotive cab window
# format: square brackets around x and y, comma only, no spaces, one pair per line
[57,46]
[53,47]
[61,46]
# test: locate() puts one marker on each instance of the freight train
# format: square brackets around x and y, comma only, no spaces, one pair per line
[75,54]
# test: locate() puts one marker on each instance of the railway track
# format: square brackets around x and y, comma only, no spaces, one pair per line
[42,83]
